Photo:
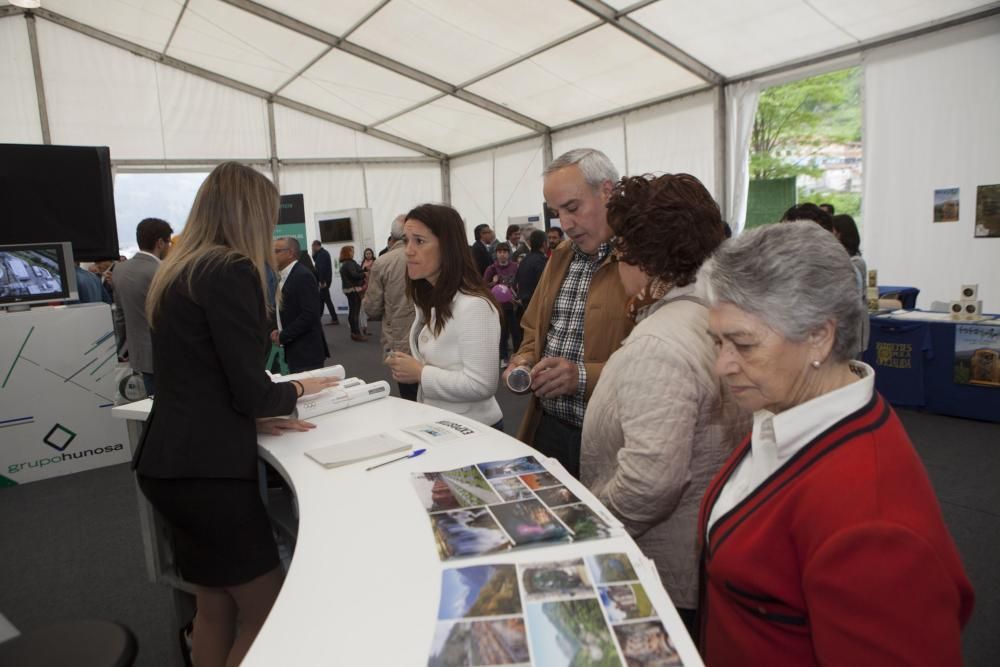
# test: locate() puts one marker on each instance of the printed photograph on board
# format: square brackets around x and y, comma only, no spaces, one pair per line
[493,642]
[556,496]
[480,590]
[469,532]
[506,468]
[611,568]
[511,488]
[556,580]
[977,355]
[582,520]
[529,521]
[647,643]
[451,489]
[539,480]
[625,602]
[571,633]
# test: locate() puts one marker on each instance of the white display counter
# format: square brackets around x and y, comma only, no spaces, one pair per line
[364,582]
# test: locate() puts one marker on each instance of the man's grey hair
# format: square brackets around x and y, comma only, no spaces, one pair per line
[795,277]
[592,163]
[396,229]
[293,245]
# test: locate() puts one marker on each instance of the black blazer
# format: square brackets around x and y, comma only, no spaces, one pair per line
[324,266]
[208,349]
[301,330]
[481,256]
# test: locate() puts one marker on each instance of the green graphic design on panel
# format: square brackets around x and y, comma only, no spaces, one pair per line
[5,482]
[296,230]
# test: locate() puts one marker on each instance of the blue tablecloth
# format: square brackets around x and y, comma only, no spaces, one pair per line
[914,366]
[906,295]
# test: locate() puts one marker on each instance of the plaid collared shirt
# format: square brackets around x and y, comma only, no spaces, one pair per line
[565,335]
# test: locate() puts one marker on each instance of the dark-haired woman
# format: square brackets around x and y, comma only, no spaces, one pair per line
[846,231]
[659,423]
[456,333]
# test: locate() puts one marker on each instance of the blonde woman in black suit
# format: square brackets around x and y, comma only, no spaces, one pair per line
[197,462]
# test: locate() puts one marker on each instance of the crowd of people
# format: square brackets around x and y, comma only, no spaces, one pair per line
[706,389]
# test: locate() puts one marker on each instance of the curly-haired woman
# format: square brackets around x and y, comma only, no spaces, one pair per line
[659,424]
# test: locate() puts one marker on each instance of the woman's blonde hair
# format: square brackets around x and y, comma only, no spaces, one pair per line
[233,217]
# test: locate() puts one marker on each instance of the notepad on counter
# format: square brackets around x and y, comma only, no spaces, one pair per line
[362,449]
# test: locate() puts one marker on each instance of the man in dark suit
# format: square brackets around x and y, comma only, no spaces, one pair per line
[132,279]
[481,249]
[324,271]
[299,330]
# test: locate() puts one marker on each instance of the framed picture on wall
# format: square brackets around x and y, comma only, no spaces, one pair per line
[988,211]
[946,205]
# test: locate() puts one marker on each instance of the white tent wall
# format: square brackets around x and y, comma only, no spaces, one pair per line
[395,189]
[606,135]
[19,122]
[324,188]
[677,136]
[931,122]
[301,136]
[472,192]
[517,182]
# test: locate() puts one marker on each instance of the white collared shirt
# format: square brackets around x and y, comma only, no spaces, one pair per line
[282,277]
[776,438]
[143,252]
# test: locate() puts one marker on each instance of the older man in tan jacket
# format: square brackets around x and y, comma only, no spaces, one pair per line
[576,318]
[386,300]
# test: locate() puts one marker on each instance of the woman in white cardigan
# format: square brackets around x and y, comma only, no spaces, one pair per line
[456,332]
[659,424]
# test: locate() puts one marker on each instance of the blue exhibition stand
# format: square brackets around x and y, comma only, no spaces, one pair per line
[914,364]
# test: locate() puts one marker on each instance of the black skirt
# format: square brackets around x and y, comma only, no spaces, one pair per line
[220,529]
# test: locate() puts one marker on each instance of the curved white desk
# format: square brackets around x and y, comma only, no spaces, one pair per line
[363,584]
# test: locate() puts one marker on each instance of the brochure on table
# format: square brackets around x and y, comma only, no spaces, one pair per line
[594,608]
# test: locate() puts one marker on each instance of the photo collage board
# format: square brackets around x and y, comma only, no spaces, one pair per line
[590,611]
[501,505]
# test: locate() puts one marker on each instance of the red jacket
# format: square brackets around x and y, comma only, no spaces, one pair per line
[841,557]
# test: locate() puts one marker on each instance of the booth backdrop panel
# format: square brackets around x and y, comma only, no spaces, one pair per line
[88,82]
[324,188]
[395,189]
[914,364]
[517,182]
[931,122]
[56,391]
[606,135]
[677,137]
[472,189]
[19,122]
[202,119]
[300,135]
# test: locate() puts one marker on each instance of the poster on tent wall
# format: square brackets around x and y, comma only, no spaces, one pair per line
[57,387]
[946,205]
[988,211]
[977,354]
[292,219]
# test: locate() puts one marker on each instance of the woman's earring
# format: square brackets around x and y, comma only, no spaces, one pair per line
[815,364]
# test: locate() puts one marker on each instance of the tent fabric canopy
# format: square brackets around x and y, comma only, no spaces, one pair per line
[443,77]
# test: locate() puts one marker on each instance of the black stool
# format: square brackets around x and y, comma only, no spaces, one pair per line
[86,643]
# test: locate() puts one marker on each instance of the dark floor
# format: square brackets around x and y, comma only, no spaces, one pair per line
[71,546]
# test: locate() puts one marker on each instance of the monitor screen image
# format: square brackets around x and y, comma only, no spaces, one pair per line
[36,273]
[337,230]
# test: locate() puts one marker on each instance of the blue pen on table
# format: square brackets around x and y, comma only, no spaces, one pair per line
[408,456]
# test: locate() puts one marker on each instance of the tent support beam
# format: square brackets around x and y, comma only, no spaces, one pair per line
[446,181]
[272,134]
[721,146]
[155,56]
[610,16]
[177,24]
[356,50]
[36,66]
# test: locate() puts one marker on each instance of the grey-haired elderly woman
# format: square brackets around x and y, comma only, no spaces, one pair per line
[822,539]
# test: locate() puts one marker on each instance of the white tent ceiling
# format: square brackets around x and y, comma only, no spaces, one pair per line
[449,76]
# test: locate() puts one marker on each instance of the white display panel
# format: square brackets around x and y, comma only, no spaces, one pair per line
[57,387]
